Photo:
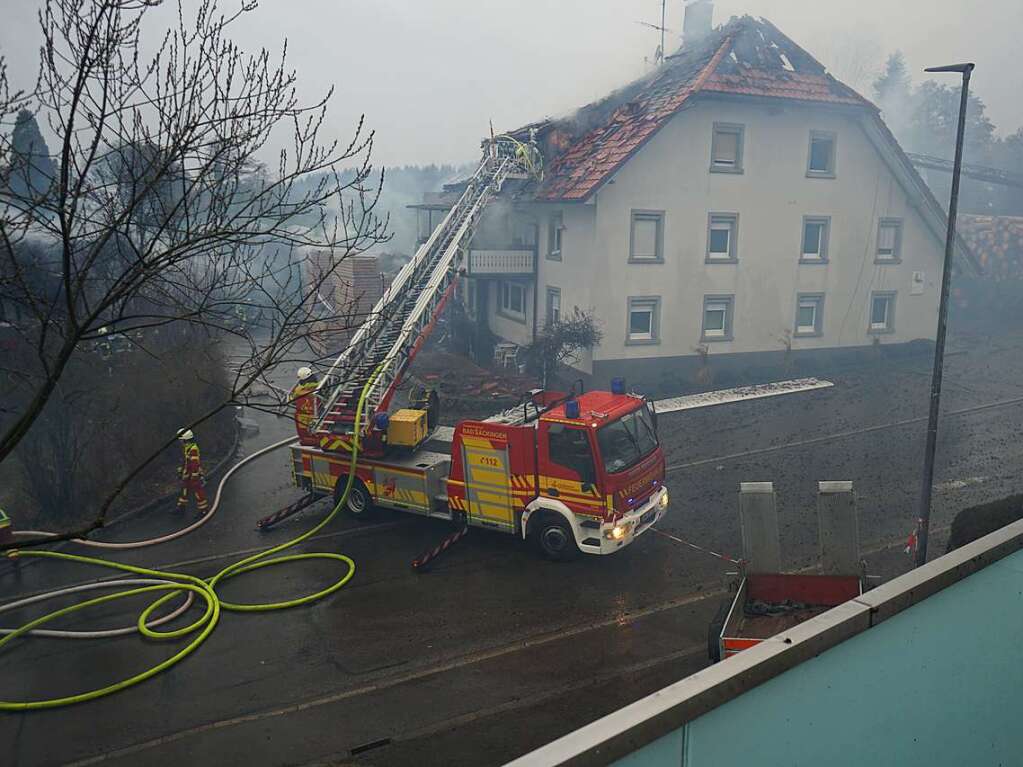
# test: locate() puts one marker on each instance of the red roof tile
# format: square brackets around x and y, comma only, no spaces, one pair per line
[747,57]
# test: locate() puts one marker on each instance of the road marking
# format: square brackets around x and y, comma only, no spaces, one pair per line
[412,676]
[959,484]
[452,665]
[532,700]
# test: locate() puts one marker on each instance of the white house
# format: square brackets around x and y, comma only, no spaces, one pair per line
[739,206]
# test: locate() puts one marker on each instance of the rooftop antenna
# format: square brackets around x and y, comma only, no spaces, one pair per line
[659,53]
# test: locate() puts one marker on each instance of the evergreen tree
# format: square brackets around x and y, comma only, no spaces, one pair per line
[893,91]
[32,168]
[935,117]
[893,82]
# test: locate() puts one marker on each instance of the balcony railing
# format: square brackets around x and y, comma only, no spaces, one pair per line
[483,262]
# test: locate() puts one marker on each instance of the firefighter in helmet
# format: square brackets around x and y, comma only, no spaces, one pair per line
[303,397]
[192,478]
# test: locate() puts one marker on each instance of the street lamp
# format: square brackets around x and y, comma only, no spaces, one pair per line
[924,519]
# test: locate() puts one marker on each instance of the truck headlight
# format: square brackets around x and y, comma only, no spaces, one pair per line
[617,532]
[663,503]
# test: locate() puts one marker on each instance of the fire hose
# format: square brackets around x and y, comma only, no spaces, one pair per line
[189,597]
[152,581]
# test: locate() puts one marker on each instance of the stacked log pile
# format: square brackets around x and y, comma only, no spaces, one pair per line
[997,242]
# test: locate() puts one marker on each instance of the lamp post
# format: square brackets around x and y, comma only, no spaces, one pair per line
[924,518]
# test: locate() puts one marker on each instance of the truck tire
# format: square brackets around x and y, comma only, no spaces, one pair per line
[359,504]
[554,538]
[717,625]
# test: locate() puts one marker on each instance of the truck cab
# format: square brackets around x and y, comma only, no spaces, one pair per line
[585,475]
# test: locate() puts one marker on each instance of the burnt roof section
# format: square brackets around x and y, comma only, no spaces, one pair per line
[746,57]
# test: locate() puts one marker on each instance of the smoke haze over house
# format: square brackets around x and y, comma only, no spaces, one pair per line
[431,75]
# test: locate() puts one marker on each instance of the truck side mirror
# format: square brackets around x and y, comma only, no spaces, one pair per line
[650,406]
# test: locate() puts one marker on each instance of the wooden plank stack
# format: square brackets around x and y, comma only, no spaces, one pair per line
[997,242]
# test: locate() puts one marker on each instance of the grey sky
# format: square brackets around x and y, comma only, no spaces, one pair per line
[430,74]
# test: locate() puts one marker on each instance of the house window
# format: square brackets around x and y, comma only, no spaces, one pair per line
[717,318]
[555,229]
[722,232]
[821,162]
[815,239]
[644,320]
[513,300]
[809,314]
[889,240]
[553,305]
[882,312]
[646,242]
[726,148]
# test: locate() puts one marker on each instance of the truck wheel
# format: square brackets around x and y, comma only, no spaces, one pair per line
[359,504]
[555,539]
[717,625]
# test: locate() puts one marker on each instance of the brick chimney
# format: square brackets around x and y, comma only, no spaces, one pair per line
[699,20]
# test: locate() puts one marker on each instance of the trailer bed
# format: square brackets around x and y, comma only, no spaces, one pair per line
[765,626]
[769,604]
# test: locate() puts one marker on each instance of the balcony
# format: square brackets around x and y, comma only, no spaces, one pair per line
[501,262]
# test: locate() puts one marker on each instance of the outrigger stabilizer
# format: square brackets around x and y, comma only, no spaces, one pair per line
[424,561]
[288,511]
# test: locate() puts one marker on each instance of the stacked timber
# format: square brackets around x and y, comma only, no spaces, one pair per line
[997,241]
[350,288]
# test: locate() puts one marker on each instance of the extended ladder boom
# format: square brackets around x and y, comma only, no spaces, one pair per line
[403,317]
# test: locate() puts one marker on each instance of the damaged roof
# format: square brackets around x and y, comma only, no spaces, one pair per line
[747,56]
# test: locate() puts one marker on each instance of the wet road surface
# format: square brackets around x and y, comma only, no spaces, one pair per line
[495,651]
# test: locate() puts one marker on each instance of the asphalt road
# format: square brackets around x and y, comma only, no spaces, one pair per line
[494,652]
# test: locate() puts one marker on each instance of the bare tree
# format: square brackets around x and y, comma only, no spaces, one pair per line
[160,212]
[561,341]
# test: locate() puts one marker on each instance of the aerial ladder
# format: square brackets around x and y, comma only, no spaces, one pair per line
[501,474]
[398,325]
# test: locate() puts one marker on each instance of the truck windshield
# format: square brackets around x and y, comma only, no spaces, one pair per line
[627,441]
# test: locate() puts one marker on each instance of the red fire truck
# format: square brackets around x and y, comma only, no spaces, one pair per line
[572,472]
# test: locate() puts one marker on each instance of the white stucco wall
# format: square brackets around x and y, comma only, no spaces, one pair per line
[515,330]
[771,197]
[571,274]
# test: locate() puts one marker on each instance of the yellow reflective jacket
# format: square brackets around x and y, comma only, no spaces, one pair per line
[191,468]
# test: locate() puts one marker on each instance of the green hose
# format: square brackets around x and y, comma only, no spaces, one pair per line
[203,588]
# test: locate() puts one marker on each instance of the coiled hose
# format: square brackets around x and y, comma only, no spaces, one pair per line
[173,584]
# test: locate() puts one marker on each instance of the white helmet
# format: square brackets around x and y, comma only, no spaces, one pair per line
[304,373]
[185,435]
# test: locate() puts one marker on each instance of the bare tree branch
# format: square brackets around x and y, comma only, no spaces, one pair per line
[156,211]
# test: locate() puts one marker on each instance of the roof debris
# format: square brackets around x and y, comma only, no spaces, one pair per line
[746,56]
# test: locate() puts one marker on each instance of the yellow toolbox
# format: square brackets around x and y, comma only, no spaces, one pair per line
[406,427]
